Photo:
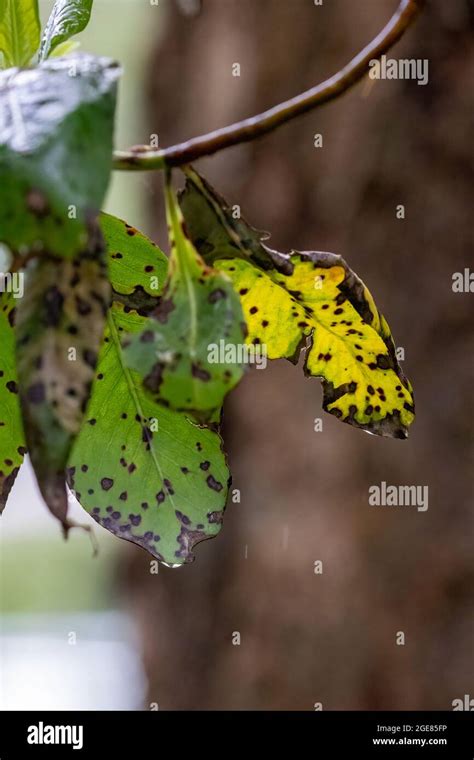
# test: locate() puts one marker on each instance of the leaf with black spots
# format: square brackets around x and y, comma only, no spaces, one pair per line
[188,352]
[56,142]
[137,267]
[308,297]
[59,328]
[68,17]
[148,474]
[12,443]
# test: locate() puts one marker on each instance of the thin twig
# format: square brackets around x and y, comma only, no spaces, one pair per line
[143,157]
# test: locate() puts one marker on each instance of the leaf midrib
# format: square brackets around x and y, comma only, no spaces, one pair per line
[133,393]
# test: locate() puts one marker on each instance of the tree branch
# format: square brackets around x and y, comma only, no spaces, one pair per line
[143,157]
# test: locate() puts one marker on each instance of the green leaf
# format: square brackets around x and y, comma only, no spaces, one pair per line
[311,297]
[59,328]
[65,48]
[56,141]
[68,17]
[19,32]
[137,267]
[148,474]
[12,444]
[189,352]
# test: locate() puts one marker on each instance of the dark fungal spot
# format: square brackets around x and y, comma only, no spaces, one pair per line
[83,307]
[36,393]
[160,497]
[37,203]
[243,291]
[216,295]
[84,468]
[132,467]
[383,362]
[92,421]
[147,435]
[106,484]
[149,268]
[12,386]
[205,465]
[184,470]
[21,450]
[123,496]
[253,310]
[409,407]
[371,389]
[144,505]
[338,311]
[215,518]
[325,306]
[199,446]
[168,485]
[264,322]
[184,519]
[359,358]
[213,483]
[369,409]
[135,519]
[199,373]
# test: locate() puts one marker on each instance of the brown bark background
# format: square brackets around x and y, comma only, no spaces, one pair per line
[330,638]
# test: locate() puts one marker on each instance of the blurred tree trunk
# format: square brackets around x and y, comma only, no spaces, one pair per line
[330,638]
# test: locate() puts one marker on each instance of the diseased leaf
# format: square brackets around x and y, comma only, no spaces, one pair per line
[56,141]
[313,297]
[218,230]
[137,267]
[188,352]
[12,444]
[148,474]
[19,32]
[68,17]
[59,328]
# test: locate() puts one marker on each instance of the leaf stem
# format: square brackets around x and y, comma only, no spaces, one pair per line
[144,157]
